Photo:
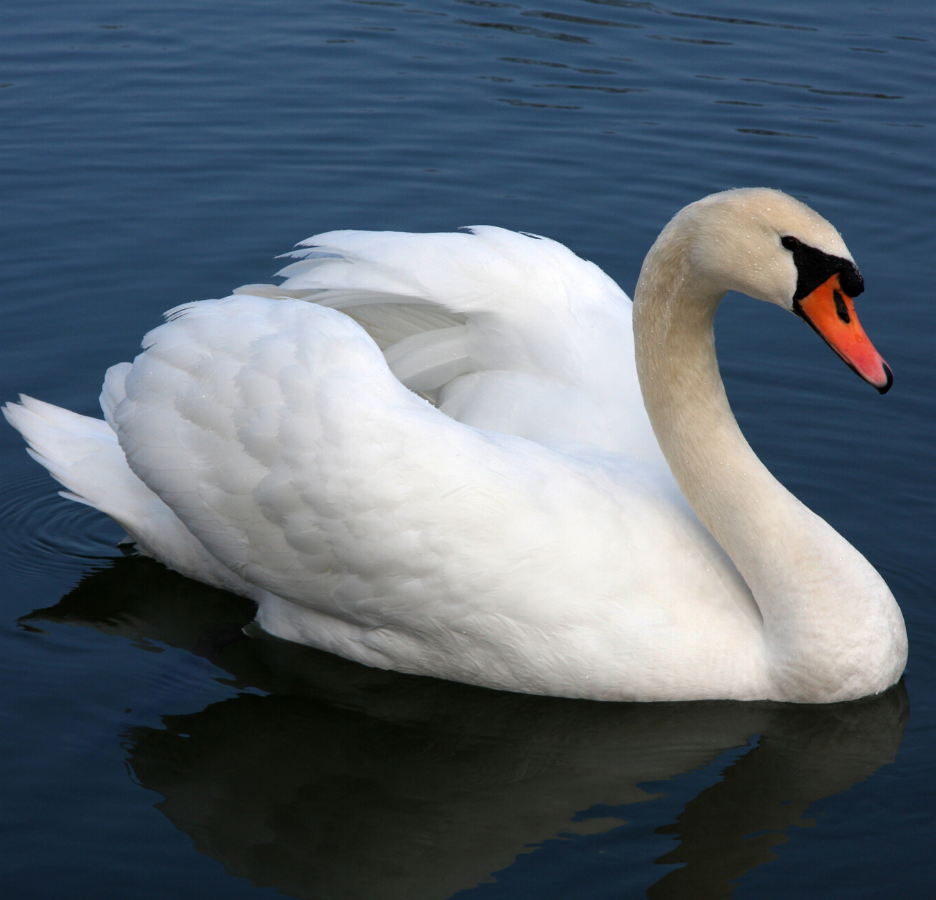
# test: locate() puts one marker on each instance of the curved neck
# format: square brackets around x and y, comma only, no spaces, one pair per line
[811,586]
[715,467]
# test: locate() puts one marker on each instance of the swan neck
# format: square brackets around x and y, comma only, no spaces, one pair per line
[674,316]
[828,617]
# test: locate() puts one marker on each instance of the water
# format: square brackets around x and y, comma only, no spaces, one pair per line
[157,153]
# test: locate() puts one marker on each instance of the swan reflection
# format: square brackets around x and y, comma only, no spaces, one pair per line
[360,784]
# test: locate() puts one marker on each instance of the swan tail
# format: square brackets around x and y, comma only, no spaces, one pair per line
[84,456]
[81,453]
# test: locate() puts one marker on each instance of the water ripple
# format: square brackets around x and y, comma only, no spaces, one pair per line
[42,532]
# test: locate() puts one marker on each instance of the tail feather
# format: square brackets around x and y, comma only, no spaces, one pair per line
[84,456]
[70,446]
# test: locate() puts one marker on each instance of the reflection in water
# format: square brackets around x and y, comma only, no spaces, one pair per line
[359,784]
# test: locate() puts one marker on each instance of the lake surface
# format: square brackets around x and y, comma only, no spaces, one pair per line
[157,153]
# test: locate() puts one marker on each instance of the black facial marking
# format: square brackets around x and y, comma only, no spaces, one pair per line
[813,267]
[840,307]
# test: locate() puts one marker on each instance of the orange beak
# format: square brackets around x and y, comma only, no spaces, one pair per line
[831,312]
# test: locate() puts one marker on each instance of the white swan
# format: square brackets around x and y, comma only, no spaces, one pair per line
[517,525]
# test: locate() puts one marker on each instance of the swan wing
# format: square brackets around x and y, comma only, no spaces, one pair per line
[504,331]
[277,433]
[381,528]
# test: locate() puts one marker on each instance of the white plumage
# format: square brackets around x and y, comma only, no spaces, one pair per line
[429,452]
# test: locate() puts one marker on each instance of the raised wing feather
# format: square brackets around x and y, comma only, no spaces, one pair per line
[503,331]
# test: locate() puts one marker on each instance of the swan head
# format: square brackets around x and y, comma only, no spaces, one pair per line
[772,247]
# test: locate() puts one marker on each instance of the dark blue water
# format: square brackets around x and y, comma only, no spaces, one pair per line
[155,153]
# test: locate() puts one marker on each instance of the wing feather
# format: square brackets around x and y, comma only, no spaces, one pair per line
[302,463]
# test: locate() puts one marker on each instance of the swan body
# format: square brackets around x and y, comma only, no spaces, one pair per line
[464,455]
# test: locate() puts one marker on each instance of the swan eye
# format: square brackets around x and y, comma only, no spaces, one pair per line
[790,243]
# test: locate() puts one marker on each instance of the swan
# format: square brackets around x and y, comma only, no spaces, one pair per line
[467,455]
